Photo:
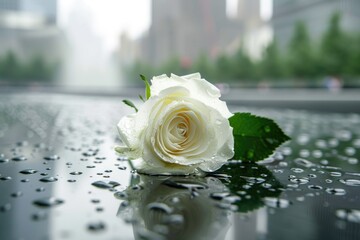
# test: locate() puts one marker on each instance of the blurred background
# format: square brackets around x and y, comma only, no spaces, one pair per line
[106,44]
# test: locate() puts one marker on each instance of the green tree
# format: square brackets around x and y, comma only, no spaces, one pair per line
[335,48]
[204,66]
[243,67]
[301,57]
[223,68]
[271,64]
[10,66]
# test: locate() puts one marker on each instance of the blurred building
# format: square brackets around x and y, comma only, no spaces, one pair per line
[186,29]
[257,32]
[315,14]
[28,28]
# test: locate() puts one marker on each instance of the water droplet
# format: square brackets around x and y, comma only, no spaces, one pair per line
[315,187]
[297,170]
[44,174]
[5,208]
[121,195]
[219,196]
[28,171]
[335,174]
[336,191]
[71,180]
[52,158]
[39,216]
[122,167]
[353,161]
[350,182]
[350,151]
[17,194]
[156,206]
[25,180]
[105,185]
[76,173]
[90,166]
[48,179]
[350,215]
[250,154]
[3,160]
[48,202]
[96,201]
[276,202]
[299,180]
[40,189]
[267,129]
[96,226]
[303,162]
[19,159]
[5,178]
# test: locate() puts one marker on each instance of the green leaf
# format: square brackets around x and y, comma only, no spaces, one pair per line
[147,86]
[141,98]
[130,104]
[255,138]
[238,178]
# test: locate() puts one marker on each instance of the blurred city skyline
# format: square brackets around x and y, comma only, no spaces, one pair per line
[90,43]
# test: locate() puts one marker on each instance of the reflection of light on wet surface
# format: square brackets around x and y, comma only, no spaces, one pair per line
[60,178]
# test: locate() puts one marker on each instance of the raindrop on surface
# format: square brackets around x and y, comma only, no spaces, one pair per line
[44,174]
[336,191]
[299,180]
[48,179]
[350,215]
[353,161]
[25,180]
[90,166]
[76,173]
[3,160]
[99,209]
[328,181]
[105,185]
[267,129]
[17,194]
[28,171]
[335,174]
[350,151]
[5,178]
[48,202]
[350,182]
[276,202]
[303,162]
[96,201]
[52,158]
[39,216]
[312,175]
[155,206]
[304,153]
[96,226]
[19,159]
[219,196]
[315,187]
[122,167]
[5,208]
[40,189]
[297,170]
[121,195]
[71,180]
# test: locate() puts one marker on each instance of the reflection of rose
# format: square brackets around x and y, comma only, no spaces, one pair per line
[181,127]
[176,208]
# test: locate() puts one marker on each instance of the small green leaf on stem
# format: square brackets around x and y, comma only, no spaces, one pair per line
[141,98]
[255,138]
[130,104]
[147,86]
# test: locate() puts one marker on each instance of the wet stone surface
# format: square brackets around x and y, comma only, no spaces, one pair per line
[60,179]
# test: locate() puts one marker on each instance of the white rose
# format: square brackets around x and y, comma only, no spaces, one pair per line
[183,126]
